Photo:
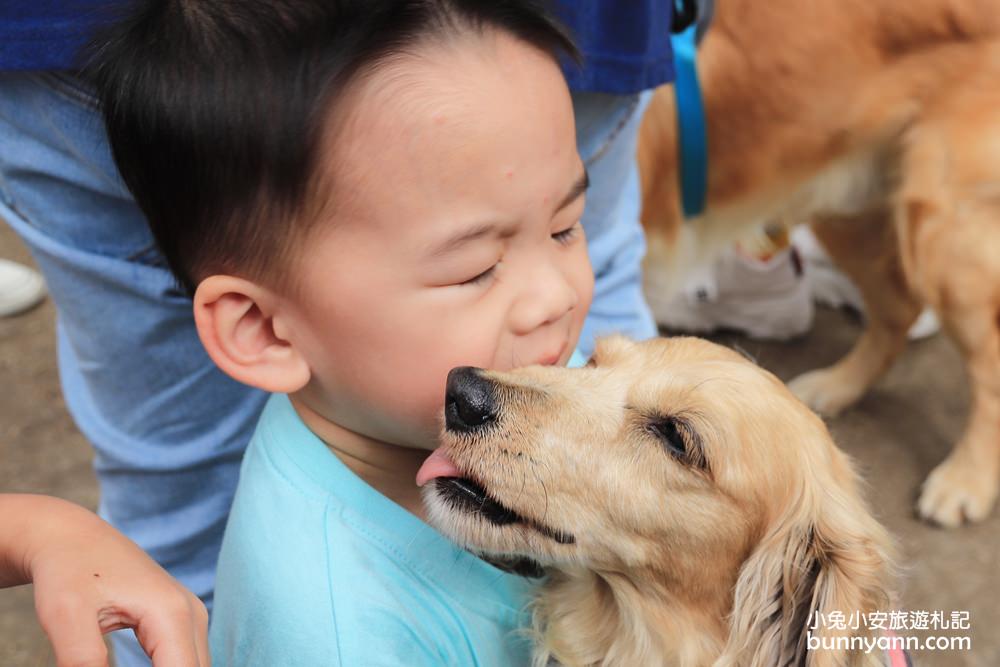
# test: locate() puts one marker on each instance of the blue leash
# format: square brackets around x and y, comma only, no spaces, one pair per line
[692,134]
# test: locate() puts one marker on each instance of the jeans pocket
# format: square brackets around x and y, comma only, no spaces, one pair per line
[601,118]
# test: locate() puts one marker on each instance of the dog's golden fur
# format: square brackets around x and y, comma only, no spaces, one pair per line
[712,553]
[879,120]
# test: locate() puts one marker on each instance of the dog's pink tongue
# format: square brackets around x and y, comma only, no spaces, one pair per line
[437,465]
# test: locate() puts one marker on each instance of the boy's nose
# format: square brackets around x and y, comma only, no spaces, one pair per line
[470,400]
[548,296]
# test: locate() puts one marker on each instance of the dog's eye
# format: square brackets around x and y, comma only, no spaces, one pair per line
[667,431]
[678,440]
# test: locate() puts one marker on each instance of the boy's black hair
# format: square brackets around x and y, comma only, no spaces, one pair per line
[215,109]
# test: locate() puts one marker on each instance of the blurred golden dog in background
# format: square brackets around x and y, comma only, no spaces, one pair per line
[879,121]
[688,509]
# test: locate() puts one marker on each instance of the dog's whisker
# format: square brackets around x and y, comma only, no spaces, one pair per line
[545,494]
[717,378]
[746,353]
[524,484]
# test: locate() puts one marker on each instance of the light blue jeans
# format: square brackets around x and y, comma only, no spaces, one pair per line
[168,428]
[607,128]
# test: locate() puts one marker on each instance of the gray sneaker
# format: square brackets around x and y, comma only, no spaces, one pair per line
[764,299]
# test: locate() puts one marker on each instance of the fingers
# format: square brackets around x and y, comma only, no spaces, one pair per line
[72,628]
[174,635]
[201,633]
[177,634]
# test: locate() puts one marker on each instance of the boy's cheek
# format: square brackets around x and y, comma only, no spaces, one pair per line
[589,294]
[587,291]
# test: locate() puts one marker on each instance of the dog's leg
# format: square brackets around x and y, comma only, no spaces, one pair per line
[947,215]
[964,486]
[866,249]
[955,266]
[960,275]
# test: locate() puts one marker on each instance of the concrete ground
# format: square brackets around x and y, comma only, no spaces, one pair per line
[897,434]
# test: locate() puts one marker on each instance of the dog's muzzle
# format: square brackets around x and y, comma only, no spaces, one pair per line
[471,406]
[470,400]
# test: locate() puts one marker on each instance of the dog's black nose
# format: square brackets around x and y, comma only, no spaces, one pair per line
[469,401]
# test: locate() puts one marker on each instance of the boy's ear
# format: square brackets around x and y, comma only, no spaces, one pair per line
[236,323]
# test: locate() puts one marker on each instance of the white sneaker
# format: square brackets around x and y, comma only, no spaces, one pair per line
[830,287]
[21,288]
[765,299]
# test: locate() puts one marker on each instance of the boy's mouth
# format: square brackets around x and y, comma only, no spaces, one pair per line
[554,358]
[466,495]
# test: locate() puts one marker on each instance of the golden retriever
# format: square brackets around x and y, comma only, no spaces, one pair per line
[689,511]
[879,120]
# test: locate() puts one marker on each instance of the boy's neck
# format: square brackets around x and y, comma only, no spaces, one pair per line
[389,469]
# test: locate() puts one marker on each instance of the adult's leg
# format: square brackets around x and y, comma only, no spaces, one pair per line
[607,127]
[168,428]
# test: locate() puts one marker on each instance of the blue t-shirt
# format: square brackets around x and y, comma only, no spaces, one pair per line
[625,44]
[48,34]
[318,568]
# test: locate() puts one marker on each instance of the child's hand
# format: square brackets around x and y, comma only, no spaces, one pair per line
[90,579]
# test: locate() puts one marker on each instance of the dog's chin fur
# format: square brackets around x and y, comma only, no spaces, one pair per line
[584,617]
[714,560]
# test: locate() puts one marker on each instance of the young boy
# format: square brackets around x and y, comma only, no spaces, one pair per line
[395,191]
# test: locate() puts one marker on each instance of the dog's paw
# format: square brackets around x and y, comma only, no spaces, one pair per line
[958,491]
[825,391]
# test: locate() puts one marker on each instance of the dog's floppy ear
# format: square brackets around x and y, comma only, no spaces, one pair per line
[825,554]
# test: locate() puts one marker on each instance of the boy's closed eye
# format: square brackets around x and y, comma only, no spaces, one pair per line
[480,278]
[569,234]
[564,237]
[477,236]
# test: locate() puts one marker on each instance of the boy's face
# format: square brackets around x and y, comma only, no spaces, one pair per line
[454,239]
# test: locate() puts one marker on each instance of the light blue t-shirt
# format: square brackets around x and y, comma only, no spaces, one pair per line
[318,568]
